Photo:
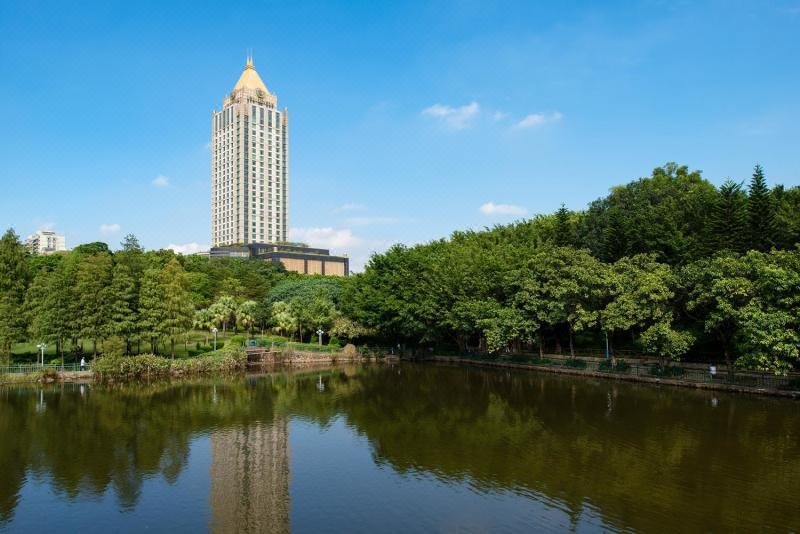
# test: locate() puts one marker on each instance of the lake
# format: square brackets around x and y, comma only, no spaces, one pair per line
[396,448]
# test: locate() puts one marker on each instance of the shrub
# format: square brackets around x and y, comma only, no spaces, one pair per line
[575,363]
[151,366]
[114,345]
[235,341]
[334,342]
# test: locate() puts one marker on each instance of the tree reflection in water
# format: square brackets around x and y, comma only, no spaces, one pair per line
[642,457]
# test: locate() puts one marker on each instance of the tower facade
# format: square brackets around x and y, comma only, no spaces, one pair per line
[249,165]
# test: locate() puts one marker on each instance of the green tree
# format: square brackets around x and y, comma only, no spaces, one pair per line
[92,281]
[639,296]
[122,304]
[787,216]
[770,322]
[662,340]
[13,282]
[151,311]
[729,218]
[246,315]
[36,306]
[564,232]
[224,311]
[204,320]
[718,289]
[566,284]
[284,322]
[761,212]
[91,249]
[178,311]
[321,313]
[666,214]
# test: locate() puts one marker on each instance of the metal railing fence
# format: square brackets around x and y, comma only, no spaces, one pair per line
[675,371]
[38,368]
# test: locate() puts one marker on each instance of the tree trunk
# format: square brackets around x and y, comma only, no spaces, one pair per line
[94,348]
[172,346]
[571,344]
[611,352]
[541,347]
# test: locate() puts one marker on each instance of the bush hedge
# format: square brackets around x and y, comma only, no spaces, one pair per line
[152,366]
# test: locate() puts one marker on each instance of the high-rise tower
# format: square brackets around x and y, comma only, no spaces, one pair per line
[249,165]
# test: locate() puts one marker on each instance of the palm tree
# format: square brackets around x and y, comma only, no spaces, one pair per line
[204,320]
[246,315]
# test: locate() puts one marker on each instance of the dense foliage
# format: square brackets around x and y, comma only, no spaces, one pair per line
[667,265]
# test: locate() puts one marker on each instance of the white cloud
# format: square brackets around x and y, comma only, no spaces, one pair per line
[109,229]
[456,118]
[490,208]
[188,248]
[161,181]
[349,206]
[497,116]
[538,119]
[325,237]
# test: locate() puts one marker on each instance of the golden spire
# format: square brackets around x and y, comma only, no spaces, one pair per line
[250,78]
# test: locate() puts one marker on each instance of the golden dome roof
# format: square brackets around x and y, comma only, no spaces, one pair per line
[250,79]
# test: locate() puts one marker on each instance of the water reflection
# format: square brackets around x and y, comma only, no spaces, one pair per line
[530,450]
[250,478]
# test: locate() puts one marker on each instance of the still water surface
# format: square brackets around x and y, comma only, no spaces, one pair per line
[405,448]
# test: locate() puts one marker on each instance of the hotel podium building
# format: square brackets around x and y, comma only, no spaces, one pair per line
[250,182]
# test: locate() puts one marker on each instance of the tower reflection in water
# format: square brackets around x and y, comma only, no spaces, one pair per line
[250,478]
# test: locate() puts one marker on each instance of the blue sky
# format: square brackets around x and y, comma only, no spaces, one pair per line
[408,119]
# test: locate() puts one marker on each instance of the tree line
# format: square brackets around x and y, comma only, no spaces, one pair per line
[141,298]
[667,265]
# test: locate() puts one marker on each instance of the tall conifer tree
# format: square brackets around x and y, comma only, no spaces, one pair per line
[729,218]
[761,212]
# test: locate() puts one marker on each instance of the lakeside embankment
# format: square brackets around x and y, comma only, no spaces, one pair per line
[595,370]
[117,368]
[148,366]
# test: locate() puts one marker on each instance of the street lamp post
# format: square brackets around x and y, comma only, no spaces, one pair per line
[214,331]
[319,333]
[41,347]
